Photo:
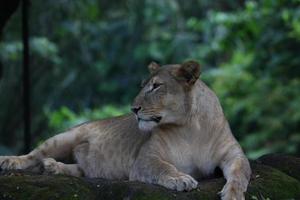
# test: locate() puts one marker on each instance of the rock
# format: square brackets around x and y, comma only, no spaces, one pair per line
[287,164]
[267,182]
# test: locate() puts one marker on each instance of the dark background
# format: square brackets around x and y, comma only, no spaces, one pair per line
[88,57]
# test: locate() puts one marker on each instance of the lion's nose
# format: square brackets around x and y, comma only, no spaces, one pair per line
[135,109]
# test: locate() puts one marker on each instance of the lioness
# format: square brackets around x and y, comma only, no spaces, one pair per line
[177,133]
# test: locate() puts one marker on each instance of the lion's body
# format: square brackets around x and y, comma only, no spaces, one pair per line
[111,147]
[190,138]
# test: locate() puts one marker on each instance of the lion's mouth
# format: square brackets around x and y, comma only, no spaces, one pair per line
[156,119]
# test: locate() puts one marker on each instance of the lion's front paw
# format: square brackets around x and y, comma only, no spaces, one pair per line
[51,166]
[182,182]
[13,162]
[232,191]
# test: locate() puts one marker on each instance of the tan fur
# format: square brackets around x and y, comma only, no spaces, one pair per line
[181,135]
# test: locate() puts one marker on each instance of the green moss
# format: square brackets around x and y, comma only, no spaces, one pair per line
[130,190]
[268,182]
[287,164]
[44,187]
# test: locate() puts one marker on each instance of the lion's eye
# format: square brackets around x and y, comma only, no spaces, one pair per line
[156,85]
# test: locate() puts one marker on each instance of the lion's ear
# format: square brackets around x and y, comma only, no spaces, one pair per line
[153,67]
[189,72]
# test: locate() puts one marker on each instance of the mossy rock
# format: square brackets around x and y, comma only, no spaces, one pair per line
[270,183]
[266,183]
[23,186]
[285,163]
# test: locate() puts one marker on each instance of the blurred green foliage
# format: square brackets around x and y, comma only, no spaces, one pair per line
[88,57]
[65,118]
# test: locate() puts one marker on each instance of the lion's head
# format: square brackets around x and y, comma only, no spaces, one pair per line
[165,95]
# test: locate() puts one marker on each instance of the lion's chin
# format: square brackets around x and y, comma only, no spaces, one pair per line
[147,126]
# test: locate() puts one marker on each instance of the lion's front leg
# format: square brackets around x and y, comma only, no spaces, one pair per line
[237,171]
[179,181]
[151,168]
[17,162]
